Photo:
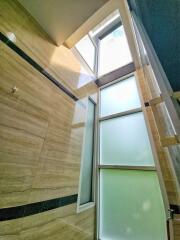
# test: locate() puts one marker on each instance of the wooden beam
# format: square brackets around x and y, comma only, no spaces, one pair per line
[176,95]
[155,101]
[169,140]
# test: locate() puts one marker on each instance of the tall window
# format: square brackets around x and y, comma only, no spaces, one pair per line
[86,183]
[130,200]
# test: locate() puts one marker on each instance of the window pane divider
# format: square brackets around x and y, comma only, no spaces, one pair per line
[127,167]
[136,110]
[119,79]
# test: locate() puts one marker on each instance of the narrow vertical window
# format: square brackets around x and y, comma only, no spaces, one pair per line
[85,195]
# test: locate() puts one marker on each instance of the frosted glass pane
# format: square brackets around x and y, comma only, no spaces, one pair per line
[120,97]
[131,206]
[87,50]
[87,163]
[114,51]
[124,141]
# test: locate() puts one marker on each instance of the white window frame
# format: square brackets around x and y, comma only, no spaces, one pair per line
[95,41]
[83,61]
[86,206]
[155,168]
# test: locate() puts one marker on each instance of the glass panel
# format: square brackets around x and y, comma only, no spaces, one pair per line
[87,163]
[120,97]
[87,51]
[124,141]
[131,206]
[114,51]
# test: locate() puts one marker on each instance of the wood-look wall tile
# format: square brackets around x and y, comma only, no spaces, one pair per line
[60,224]
[15,185]
[40,149]
[39,131]
[176,227]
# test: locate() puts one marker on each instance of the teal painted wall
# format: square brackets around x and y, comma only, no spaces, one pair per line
[161,18]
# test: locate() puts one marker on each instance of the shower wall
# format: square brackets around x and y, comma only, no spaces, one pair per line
[42,116]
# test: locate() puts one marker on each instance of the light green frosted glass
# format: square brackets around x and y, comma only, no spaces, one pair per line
[87,163]
[124,141]
[120,97]
[131,206]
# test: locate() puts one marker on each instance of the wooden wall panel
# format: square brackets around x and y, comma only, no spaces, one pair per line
[169,179]
[176,227]
[41,131]
[164,160]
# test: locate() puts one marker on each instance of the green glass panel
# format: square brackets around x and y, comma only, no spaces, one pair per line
[131,206]
[124,141]
[87,163]
[120,97]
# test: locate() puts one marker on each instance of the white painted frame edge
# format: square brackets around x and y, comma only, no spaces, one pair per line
[80,208]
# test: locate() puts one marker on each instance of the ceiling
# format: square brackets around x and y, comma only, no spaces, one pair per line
[60,18]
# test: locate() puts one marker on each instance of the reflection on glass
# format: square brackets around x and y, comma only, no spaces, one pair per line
[124,141]
[87,163]
[87,51]
[120,97]
[114,51]
[84,77]
[131,206]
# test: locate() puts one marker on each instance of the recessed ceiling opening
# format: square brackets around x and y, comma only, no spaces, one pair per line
[105,48]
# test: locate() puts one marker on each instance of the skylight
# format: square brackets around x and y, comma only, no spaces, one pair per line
[113,51]
[105,47]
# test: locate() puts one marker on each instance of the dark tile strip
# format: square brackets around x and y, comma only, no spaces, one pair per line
[175,208]
[28,59]
[35,208]
[168,229]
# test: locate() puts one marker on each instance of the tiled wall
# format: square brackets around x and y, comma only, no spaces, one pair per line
[40,143]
